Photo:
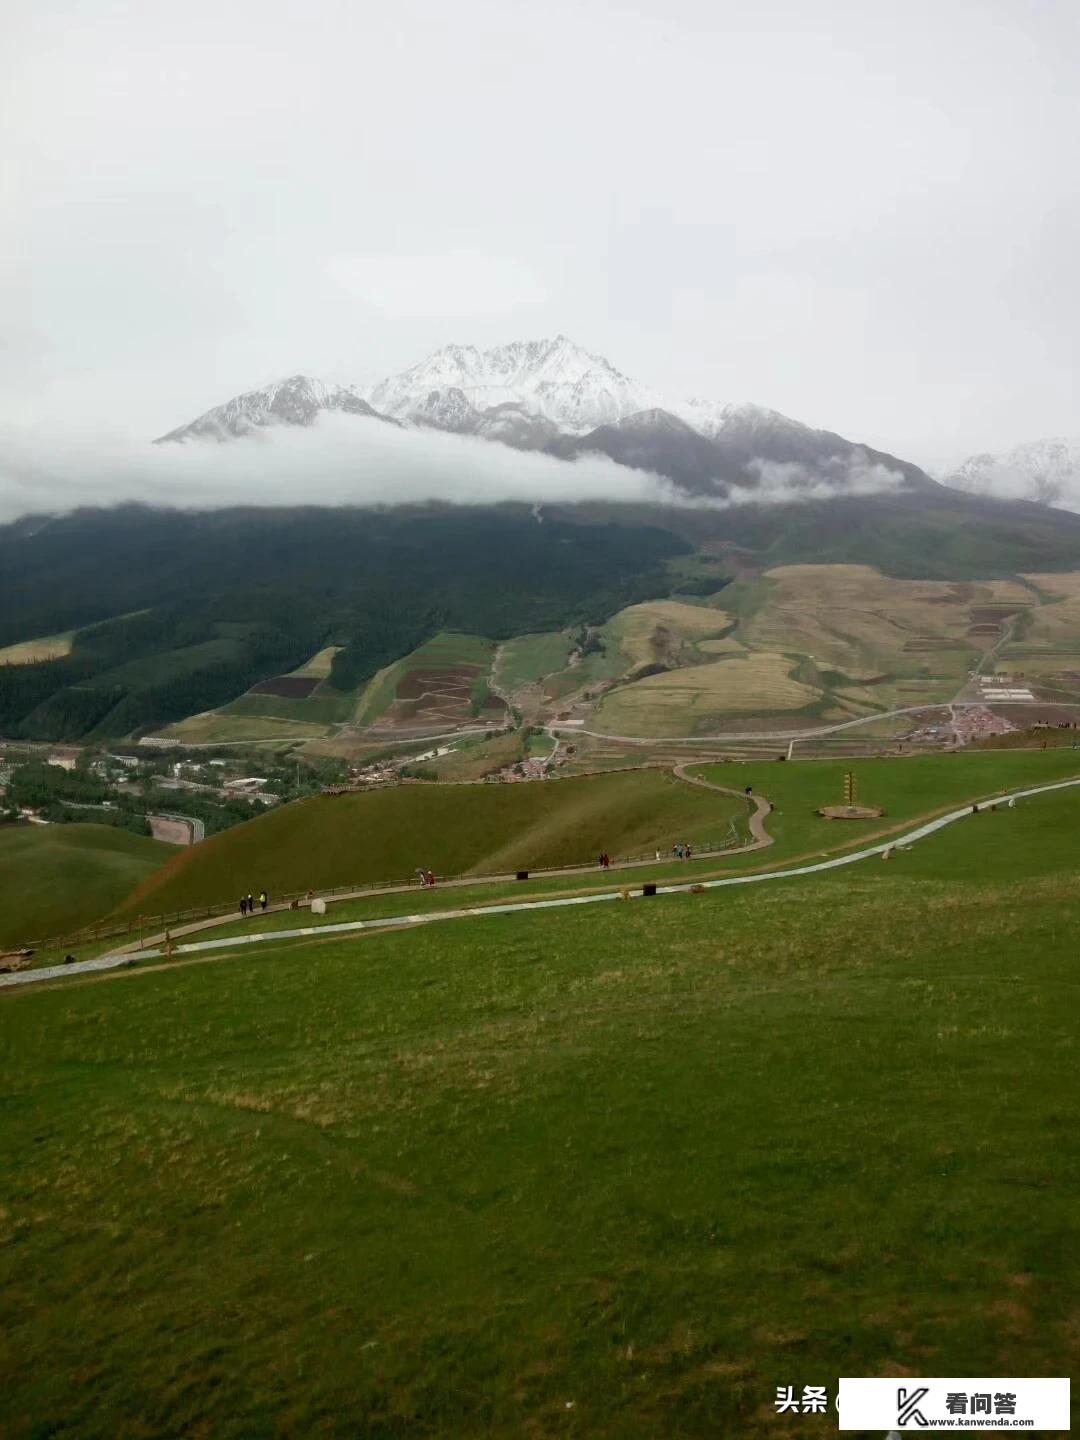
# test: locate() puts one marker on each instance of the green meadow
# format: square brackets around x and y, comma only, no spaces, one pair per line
[618,1171]
[355,839]
[56,878]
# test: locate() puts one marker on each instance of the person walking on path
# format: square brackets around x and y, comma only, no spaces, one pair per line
[243,904]
[251,904]
[264,899]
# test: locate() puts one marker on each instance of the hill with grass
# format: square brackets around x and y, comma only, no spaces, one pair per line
[56,878]
[615,1171]
[385,835]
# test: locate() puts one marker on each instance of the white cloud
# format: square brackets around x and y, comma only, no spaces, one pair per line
[345,461]
[339,461]
[787,482]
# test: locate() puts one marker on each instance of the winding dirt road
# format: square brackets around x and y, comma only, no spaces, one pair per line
[756,819]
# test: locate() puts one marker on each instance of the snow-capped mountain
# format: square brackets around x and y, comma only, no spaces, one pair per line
[295,401]
[1047,471]
[555,382]
[555,396]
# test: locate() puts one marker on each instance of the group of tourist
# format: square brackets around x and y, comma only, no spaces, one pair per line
[247,903]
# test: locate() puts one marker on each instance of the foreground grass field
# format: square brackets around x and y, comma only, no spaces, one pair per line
[54,878]
[387,834]
[617,1172]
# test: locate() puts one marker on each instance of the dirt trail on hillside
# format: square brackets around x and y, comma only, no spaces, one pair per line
[762,807]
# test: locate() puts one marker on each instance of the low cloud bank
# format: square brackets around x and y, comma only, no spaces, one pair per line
[781,482]
[345,461]
[1006,482]
[338,461]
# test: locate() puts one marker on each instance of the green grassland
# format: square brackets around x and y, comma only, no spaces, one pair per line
[476,756]
[914,789]
[907,789]
[324,706]
[529,658]
[614,1172]
[385,834]
[55,878]
[213,727]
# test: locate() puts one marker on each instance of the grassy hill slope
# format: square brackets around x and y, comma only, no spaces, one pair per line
[612,1172]
[55,878]
[386,834]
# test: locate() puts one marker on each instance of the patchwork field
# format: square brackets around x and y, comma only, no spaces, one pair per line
[619,1171]
[825,643]
[442,685]
[703,697]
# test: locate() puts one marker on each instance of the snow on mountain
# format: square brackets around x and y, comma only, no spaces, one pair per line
[555,396]
[1046,471]
[714,419]
[551,380]
[295,401]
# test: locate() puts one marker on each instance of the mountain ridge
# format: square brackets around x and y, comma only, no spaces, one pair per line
[554,395]
[1044,471]
[295,400]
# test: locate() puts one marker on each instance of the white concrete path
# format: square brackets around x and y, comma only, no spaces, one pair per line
[113,962]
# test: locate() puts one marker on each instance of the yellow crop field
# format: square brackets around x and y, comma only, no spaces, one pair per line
[728,645]
[853,613]
[211,727]
[690,700]
[852,619]
[318,667]
[1057,621]
[658,629]
[29,652]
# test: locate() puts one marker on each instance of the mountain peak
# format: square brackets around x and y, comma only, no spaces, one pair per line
[296,400]
[553,380]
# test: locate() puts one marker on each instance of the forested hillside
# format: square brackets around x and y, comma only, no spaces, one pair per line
[175,612]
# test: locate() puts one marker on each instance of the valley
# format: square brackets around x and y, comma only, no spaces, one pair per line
[798,650]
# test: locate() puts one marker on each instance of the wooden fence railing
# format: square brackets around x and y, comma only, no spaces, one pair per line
[152,924]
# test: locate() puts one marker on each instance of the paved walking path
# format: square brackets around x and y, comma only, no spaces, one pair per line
[363,892]
[929,827]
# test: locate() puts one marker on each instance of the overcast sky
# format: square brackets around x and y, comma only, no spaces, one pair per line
[864,214]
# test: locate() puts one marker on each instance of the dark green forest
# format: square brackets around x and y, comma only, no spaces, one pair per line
[179,612]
